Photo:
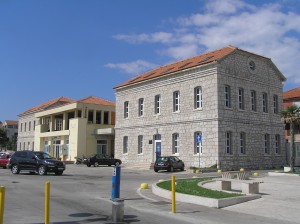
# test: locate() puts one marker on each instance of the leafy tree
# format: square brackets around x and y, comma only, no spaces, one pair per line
[3,138]
[291,116]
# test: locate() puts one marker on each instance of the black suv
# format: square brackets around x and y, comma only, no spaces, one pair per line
[39,162]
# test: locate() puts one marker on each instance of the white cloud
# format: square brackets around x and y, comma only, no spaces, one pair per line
[133,68]
[266,29]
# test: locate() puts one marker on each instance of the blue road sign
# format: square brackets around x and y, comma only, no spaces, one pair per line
[198,139]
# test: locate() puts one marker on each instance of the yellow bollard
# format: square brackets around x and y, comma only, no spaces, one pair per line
[173,195]
[242,170]
[144,186]
[2,198]
[47,202]
[219,171]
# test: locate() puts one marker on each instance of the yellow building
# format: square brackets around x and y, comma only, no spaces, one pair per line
[78,128]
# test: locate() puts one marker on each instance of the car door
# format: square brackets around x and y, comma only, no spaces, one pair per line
[21,158]
[31,161]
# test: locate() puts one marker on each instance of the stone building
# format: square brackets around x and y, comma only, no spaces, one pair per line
[229,97]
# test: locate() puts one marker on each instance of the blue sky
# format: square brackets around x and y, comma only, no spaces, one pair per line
[80,48]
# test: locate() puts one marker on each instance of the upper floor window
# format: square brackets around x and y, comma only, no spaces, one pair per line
[277,144]
[140,144]
[267,143]
[141,107]
[21,129]
[227,96]
[198,97]
[253,100]
[125,144]
[25,126]
[106,117]
[176,101]
[33,125]
[265,102]
[157,102]
[228,142]
[275,104]
[198,142]
[243,143]
[126,109]
[241,99]
[175,138]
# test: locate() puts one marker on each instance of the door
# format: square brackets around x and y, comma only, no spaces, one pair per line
[101,147]
[157,146]
[56,149]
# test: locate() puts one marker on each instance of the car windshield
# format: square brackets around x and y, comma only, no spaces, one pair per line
[2,156]
[162,159]
[43,155]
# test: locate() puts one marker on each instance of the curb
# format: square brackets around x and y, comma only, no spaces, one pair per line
[208,202]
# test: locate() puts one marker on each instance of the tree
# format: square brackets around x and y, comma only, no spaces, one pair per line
[290,116]
[3,138]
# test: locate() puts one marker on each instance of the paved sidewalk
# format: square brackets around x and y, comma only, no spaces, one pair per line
[279,204]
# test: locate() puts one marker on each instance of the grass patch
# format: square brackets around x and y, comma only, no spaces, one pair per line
[296,172]
[190,186]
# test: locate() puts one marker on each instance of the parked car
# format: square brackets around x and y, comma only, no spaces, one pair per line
[169,163]
[34,161]
[97,160]
[4,159]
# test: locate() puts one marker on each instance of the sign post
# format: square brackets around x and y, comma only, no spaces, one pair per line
[199,141]
[116,182]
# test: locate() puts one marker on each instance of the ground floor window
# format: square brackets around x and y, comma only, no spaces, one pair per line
[175,138]
[140,144]
[228,142]
[102,147]
[125,144]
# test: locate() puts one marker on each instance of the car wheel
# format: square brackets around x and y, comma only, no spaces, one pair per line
[88,165]
[171,169]
[117,163]
[15,169]
[58,173]
[96,164]
[156,170]
[42,170]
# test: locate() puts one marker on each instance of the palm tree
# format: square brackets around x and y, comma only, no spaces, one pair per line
[290,116]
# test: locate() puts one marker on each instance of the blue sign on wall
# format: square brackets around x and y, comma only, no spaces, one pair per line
[198,139]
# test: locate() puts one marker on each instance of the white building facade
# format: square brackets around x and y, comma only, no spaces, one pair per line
[229,97]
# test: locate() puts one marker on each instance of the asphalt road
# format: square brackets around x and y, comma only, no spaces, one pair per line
[82,195]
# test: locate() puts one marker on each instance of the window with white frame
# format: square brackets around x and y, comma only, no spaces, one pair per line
[29,126]
[140,144]
[157,102]
[277,144]
[267,143]
[141,107]
[21,127]
[176,101]
[241,99]
[243,143]
[125,144]
[126,109]
[253,100]
[228,142]
[198,144]
[175,144]
[265,102]
[198,97]
[275,104]
[227,96]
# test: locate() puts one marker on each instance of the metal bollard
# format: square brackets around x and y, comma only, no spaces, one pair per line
[117,209]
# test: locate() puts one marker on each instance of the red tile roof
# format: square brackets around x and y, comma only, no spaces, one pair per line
[59,101]
[97,100]
[11,122]
[201,59]
[292,95]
